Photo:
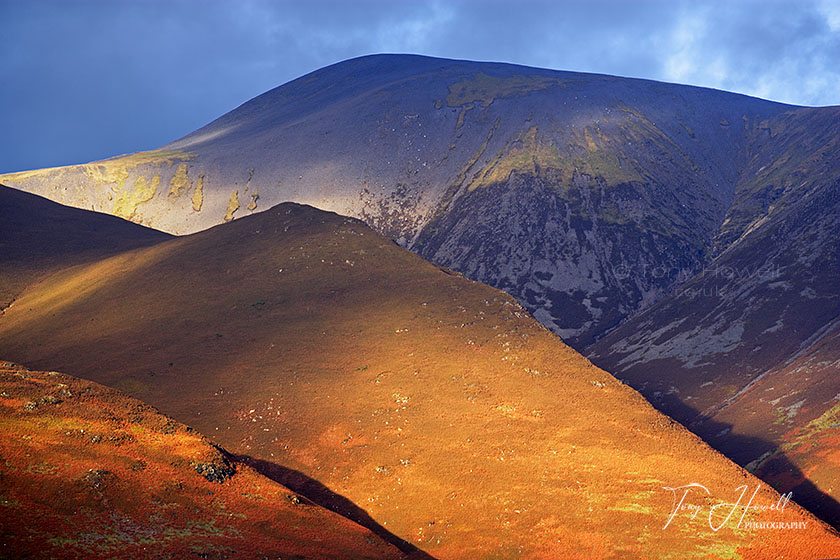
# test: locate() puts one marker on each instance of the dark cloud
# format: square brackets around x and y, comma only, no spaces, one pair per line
[87,79]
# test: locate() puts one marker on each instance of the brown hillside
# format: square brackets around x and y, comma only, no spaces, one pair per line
[38,236]
[299,339]
[87,472]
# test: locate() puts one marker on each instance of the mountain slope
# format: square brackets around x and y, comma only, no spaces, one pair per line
[90,473]
[38,237]
[546,184]
[746,352]
[302,340]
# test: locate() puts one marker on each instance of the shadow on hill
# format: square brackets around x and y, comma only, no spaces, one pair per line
[319,494]
[777,470]
[805,493]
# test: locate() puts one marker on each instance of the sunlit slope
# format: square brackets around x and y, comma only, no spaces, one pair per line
[303,340]
[90,473]
[565,189]
[38,237]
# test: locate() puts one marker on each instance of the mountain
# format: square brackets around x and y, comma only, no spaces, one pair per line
[90,473]
[683,238]
[339,364]
[38,237]
[546,184]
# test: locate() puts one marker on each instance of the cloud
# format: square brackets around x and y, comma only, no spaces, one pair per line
[830,10]
[416,31]
[777,50]
[683,61]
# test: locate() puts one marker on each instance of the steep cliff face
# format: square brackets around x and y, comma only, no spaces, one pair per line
[764,303]
[746,351]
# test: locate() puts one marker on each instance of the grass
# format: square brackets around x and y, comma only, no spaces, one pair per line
[180,182]
[533,153]
[127,201]
[233,205]
[198,194]
[66,498]
[254,197]
[482,89]
[125,182]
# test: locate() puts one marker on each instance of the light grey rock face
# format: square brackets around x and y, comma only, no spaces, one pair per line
[578,271]
[586,196]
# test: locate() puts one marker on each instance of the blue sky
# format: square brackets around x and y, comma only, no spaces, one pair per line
[85,79]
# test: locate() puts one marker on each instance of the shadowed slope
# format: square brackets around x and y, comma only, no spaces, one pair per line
[90,473]
[746,352]
[437,405]
[38,237]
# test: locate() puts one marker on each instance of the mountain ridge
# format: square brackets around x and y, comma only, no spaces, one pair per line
[399,141]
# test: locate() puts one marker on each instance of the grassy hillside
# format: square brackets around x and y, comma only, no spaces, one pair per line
[38,236]
[87,472]
[437,406]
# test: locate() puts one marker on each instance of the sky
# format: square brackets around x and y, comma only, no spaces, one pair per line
[87,79]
